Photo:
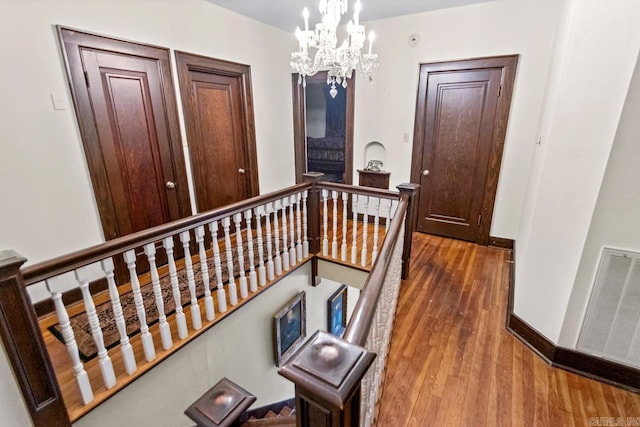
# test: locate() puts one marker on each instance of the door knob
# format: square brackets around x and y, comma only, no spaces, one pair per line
[170,185]
[242,171]
[425,172]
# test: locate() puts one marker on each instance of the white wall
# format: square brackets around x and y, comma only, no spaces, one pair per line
[615,218]
[48,204]
[239,348]
[385,110]
[13,411]
[597,54]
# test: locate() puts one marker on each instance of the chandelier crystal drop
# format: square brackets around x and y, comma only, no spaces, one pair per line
[339,61]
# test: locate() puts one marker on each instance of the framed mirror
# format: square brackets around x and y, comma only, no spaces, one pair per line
[323,128]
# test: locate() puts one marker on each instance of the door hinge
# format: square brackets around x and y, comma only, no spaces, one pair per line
[500,91]
[479,220]
[86,78]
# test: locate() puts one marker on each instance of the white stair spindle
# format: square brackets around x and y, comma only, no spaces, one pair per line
[365,226]
[106,367]
[165,331]
[242,278]
[222,296]
[292,230]
[299,252]
[72,347]
[125,346]
[354,227]
[278,258]
[334,240]
[325,215]
[386,227]
[285,247]
[181,321]
[196,317]
[233,291]
[343,247]
[270,263]
[253,278]
[305,241]
[145,336]
[376,223]
[262,271]
[204,270]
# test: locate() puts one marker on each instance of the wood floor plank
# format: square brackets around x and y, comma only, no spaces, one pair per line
[453,363]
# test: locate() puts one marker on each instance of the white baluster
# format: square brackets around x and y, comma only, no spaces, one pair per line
[125,346]
[305,241]
[386,228]
[72,347]
[262,272]
[292,230]
[365,226]
[325,214]
[270,263]
[222,296]
[334,240]
[253,278]
[376,223]
[278,258]
[165,331]
[181,321]
[196,317]
[343,247]
[354,227]
[145,336]
[233,291]
[285,247]
[242,277]
[106,367]
[204,271]
[299,251]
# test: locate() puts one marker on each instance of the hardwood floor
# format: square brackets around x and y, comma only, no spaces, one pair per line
[452,362]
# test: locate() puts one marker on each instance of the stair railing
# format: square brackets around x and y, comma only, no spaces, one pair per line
[337,381]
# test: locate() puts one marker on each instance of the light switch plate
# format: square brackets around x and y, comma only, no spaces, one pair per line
[59,101]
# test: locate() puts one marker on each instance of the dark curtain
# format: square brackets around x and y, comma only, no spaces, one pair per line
[336,111]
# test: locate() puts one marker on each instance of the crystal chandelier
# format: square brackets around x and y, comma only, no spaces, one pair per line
[339,61]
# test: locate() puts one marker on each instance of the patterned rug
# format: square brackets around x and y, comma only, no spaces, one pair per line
[80,322]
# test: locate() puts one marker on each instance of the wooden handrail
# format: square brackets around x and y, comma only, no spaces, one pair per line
[367,191]
[365,309]
[65,263]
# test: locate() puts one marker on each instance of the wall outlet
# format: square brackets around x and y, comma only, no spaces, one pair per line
[405,137]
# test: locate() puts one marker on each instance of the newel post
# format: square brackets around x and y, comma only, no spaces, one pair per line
[313,221]
[327,373]
[25,347]
[408,192]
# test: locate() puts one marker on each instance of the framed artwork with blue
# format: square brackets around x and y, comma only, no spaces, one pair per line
[337,312]
[289,328]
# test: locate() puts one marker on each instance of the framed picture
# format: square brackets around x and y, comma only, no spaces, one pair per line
[289,328]
[337,312]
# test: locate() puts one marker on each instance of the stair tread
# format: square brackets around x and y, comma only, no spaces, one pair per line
[285,411]
[270,414]
[271,421]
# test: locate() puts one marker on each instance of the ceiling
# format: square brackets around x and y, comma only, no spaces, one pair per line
[287,14]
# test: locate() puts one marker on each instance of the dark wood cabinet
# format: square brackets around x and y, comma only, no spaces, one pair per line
[367,178]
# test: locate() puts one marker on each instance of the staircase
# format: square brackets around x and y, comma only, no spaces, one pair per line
[277,414]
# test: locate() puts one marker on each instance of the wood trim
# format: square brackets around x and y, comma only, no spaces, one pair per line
[62,264]
[87,125]
[186,62]
[25,347]
[501,242]
[578,362]
[299,129]
[508,65]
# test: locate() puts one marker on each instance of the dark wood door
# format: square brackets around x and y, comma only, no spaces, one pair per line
[458,145]
[124,102]
[218,110]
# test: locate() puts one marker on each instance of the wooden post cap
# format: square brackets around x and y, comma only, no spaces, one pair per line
[221,405]
[328,367]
